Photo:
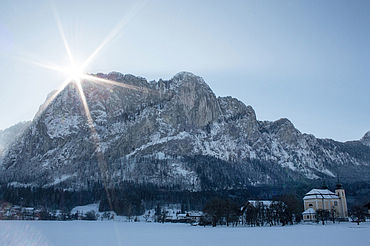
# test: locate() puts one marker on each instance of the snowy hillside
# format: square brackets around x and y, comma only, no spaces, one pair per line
[9,135]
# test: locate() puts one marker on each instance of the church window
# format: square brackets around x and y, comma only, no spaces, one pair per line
[310,205]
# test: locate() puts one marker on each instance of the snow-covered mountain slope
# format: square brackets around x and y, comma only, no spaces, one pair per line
[173,133]
[9,135]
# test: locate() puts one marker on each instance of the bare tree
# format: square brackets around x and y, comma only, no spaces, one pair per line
[358,214]
[322,215]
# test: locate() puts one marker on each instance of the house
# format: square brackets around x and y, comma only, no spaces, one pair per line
[190,217]
[309,214]
[28,213]
[324,199]
[195,216]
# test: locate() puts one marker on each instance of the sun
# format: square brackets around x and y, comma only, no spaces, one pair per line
[74,72]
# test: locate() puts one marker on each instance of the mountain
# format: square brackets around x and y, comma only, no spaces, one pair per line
[7,136]
[366,139]
[172,133]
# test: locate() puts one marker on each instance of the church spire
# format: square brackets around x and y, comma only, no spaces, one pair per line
[324,186]
[339,185]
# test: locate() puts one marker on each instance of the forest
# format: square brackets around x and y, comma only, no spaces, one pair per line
[133,199]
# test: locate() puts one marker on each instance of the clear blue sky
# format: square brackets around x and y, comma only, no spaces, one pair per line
[308,61]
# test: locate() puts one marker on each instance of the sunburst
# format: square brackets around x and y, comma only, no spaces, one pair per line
[76,73]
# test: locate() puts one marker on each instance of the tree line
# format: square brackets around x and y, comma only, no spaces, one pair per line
[282,210]
[125,198]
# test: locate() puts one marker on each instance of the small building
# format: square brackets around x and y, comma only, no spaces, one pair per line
[309,214]
[195,216]
[190,217]
[324,199]
[28,213]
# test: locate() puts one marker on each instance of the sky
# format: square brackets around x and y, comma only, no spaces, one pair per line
[308,61]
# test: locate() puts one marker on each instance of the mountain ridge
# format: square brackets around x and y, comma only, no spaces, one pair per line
[151,132]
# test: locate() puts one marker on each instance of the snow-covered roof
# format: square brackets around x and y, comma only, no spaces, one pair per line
[256,202]
[86,208]
[309,211]
[320,194]
[191,214]
[195,214]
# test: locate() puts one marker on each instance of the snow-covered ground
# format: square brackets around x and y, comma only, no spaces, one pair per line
[93,233]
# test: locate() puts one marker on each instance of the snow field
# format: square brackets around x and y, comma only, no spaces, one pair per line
[93,233]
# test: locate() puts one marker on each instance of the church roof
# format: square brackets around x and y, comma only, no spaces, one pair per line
[320,194]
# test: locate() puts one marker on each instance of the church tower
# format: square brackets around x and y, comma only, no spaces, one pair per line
[342,208]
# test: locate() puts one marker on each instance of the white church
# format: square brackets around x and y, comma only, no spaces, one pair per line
[325,199]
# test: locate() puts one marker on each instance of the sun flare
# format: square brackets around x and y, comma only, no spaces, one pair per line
[75,73]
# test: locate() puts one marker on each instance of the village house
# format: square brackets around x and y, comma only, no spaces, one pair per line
[324,199]
[189,217]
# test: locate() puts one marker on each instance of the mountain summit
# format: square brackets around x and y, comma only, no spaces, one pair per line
[366,139]
[171,133]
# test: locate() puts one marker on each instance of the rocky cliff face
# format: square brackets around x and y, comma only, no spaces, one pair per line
[366,139]
[9,135]
[173,133]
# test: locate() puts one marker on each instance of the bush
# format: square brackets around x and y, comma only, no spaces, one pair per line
[91,215]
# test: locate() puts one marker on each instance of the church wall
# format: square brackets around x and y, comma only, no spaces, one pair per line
[318,204]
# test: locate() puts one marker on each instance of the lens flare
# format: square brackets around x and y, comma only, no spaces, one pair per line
[76,74]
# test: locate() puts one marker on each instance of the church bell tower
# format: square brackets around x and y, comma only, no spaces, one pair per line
[342,208]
